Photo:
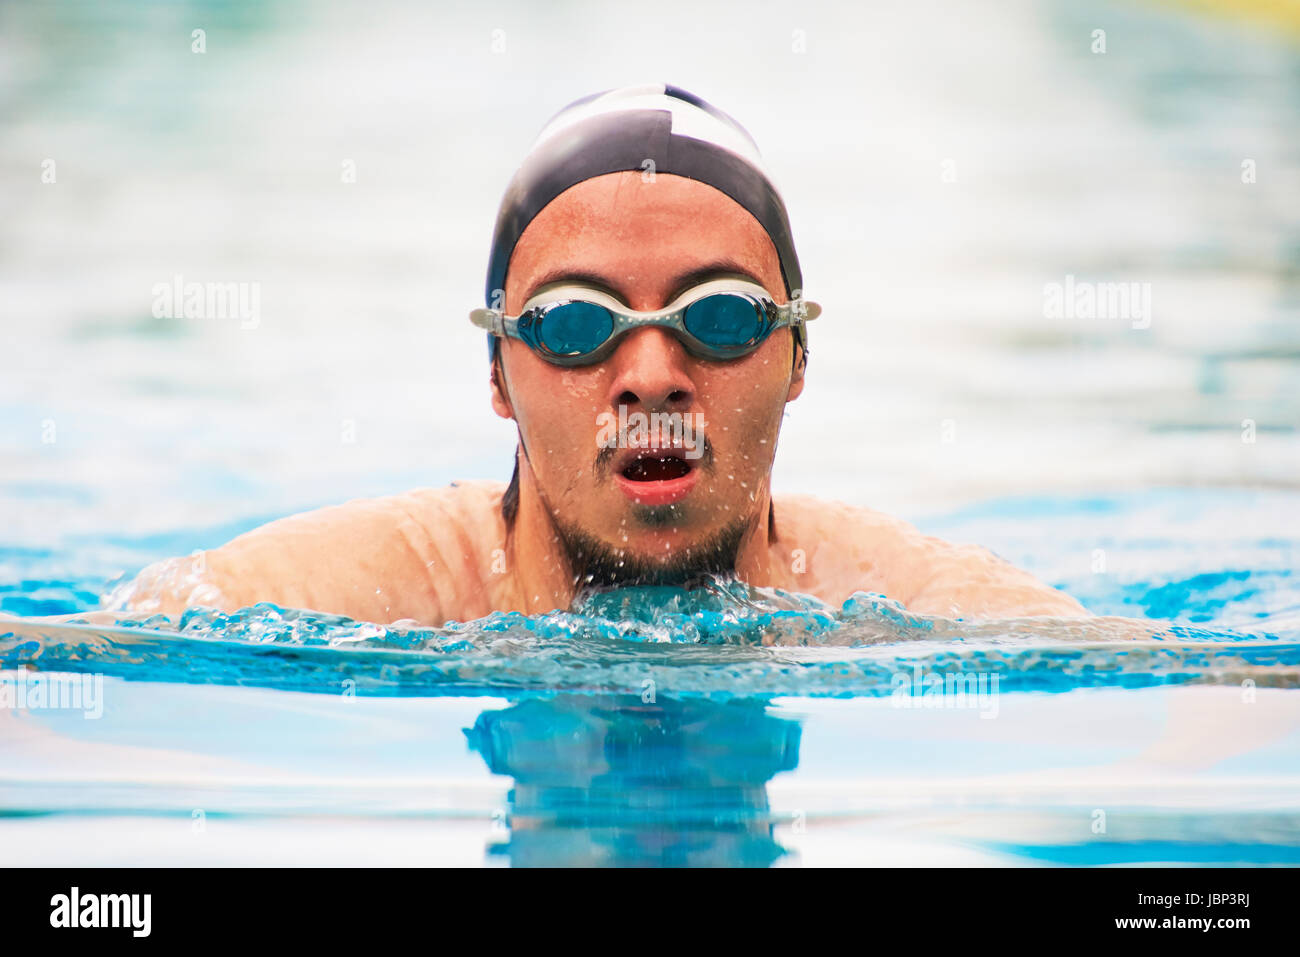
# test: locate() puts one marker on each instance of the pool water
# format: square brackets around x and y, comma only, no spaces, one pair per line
[720,726]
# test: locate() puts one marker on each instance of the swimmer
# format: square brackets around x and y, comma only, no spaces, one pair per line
[646,327]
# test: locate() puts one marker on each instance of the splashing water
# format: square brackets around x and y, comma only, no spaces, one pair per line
[722,639]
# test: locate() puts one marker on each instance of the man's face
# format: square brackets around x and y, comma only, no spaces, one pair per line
[650,516]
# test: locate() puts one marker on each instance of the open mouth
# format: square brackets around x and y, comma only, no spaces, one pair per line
[656,476]
[656,467]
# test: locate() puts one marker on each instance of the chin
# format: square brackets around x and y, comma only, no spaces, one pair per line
[664,518]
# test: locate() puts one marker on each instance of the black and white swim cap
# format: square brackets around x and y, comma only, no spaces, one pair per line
[622,129]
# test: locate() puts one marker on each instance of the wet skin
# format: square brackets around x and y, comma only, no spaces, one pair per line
[433,555]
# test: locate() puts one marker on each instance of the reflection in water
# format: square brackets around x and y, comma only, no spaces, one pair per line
[611,780]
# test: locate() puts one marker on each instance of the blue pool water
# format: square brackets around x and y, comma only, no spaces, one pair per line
[724,725]
[721,639]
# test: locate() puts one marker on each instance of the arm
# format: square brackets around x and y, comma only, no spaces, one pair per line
[967,581]
[851,548]
[372,559]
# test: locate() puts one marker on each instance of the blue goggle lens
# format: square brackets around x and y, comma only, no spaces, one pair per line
[724,321]
[575,328]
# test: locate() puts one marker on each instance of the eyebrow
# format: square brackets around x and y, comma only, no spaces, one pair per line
[713,270]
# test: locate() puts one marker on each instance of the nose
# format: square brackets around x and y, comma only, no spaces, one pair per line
[650,371]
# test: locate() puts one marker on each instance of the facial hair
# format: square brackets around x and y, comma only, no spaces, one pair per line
[596,564]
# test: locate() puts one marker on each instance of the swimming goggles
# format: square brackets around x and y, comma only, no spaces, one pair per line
[720,319]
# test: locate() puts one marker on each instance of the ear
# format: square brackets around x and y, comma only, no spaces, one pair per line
[500,394]
[798,367]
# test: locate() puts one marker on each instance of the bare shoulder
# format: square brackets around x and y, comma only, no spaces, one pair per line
[844,548]
[448,518]
[847,548]
[809,514]
[409,555]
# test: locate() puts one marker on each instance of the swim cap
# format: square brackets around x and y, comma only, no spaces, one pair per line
[621,129]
